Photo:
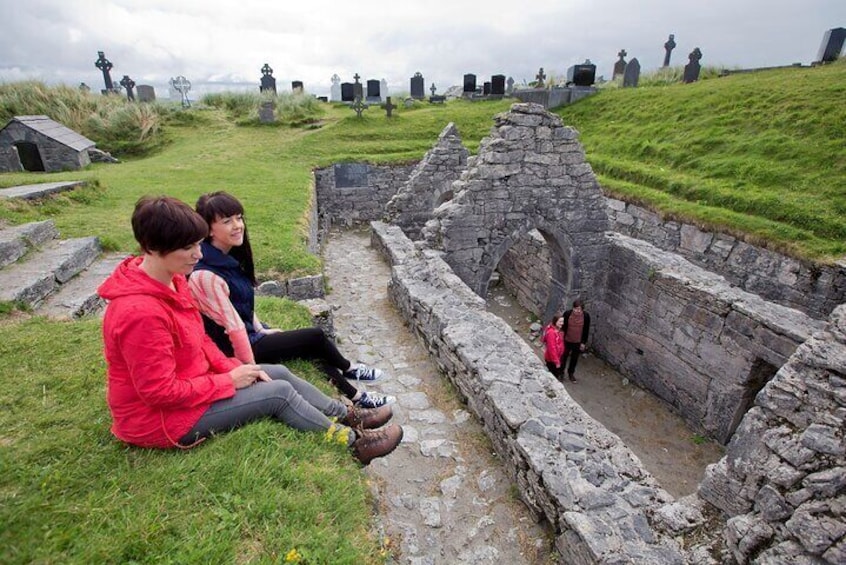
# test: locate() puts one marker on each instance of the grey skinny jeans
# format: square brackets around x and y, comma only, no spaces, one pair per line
[287,398]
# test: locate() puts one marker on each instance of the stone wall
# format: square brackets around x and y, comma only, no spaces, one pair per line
[354,193]
[525,271]
[814,289]
[568,468]
[701,344]
[429,184]
[783,477]
[55,156]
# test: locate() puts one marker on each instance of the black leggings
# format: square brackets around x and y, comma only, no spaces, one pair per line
[308,343]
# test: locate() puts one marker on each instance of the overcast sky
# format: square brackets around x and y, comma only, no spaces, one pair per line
[212,42]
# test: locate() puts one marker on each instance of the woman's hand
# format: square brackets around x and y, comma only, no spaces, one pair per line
[245,375]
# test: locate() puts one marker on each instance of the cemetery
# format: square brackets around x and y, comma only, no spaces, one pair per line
[741,338]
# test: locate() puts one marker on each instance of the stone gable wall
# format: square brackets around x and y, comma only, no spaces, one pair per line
[54,155]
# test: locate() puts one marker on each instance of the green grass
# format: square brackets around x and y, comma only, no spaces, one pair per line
[757,155]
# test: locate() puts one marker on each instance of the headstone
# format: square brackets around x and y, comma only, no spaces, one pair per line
[582,75]
[183,86]
[486,89]
[469,83]
[388,106]
[668,49]
[433,89]
[128,84]
[335,90]
[146,93]
[408,102]
[509,86]
[105,65]
[357,87]
[832,45]
[268,83]
[347,92]
[632,73]
[691,69]
[297,86]
[418,87]
[498,85]
[266,113]
[383,88]
[540,78]
[84,88]
[620,65]
[373,93]
[358,106]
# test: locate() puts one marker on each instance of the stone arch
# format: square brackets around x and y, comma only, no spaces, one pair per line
[530,173]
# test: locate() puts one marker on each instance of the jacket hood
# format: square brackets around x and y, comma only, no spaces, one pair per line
[214,257]
[129,280]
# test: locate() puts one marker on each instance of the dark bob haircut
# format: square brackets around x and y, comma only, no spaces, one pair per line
[218,205]
[163,224]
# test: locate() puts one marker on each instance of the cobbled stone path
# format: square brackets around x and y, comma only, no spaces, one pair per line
[443,496]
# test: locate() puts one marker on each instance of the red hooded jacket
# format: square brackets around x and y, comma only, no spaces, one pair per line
[553,341]
[163,371]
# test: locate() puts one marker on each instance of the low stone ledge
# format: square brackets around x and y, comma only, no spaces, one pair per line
[568,468]
[302,288]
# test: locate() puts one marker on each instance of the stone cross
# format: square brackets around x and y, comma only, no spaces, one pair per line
[691,69]
[358,105]
[105,65]
[128,84]
[620,65]
[668,48]
[266,70]
[182,85]
[433,89]
[540,78]
[357,88]
[509,86]
[388,106]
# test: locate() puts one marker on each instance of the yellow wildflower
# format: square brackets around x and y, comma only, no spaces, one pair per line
[293,556]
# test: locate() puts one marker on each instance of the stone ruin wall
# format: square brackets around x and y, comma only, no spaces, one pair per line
[783,481]
[55,156]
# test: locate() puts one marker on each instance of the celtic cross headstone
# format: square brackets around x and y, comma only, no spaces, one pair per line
[128,84]
[105,65]
[183,86]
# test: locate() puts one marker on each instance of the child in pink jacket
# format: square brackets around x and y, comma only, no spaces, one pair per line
[553,345]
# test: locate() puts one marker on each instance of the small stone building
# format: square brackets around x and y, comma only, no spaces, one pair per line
[37,143]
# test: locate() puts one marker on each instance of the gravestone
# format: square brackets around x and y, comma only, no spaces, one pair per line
[433,89]
[498,85]
[469,83]
[383,87]
[347,92]
[105,65]
[373,92]
[335,90]
[509,86]
[358,106]
[266,113]
[620,65]
[182,85]
[691,69]
[146,93]
[832,45]
[668,49]
[351,175]
[540,78]
[486,88]
[358,87]
[388,106]
[632,74]
[128,84]
[408,102]
[418,87]
[268,83]
[84,88]
[297,86]
[582,75]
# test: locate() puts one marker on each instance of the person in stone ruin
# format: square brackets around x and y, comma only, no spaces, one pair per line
[170,386]
[576,328]
[553,345]
[223,284]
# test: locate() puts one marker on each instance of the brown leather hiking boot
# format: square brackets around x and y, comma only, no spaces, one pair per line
[367,418]
[370,444]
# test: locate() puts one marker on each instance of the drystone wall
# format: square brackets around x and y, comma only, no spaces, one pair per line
[354,193]
[783,477]
[686,334]
[525,272]
[568,468]
[814,289]
[429,185]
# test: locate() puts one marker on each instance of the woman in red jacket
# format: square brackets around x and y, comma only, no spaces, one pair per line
[169,385]
[553,345]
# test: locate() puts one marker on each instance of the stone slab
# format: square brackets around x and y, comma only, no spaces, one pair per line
[16,241]
[78,297]
[35,191]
